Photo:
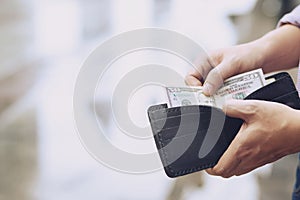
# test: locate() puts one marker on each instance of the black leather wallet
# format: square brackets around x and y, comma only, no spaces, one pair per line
[193,138]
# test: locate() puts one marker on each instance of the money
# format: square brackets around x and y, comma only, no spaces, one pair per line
[270,80]
[183,96]
[236,87]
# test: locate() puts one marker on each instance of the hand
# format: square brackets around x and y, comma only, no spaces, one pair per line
[269,132]
[223,64]
[277,50]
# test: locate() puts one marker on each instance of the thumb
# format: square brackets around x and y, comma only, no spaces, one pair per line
[242,109]
[216,77]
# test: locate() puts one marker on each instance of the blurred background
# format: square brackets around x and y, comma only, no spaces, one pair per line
[43,44]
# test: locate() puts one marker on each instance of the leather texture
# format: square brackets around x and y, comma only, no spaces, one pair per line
[193,138]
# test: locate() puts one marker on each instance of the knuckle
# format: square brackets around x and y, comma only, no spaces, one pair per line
[235,59]
[226,175]
[220,171]
[216,54]
[239,174]
[215,76]
[187,79]
[251,108]
[242,151]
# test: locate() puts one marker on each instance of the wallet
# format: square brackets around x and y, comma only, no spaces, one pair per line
[192,138]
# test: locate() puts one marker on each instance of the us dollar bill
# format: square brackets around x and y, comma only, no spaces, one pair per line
[184,96]
[236,87]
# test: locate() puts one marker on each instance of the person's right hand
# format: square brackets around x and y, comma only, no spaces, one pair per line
[277,50]
[224,63]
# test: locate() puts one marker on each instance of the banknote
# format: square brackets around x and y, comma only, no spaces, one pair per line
[183,96]
[236,87]
[240,86]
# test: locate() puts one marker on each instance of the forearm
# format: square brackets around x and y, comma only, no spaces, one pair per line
[280,49]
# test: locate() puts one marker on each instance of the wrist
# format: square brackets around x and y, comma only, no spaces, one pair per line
[262,48]
[293,131]
[252,56]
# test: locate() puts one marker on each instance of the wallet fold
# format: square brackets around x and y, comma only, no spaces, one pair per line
[193,138]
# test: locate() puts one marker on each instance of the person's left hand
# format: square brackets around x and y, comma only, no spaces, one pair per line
[269,132]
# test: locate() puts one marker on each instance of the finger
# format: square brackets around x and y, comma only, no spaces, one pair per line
[202,66]
[192,81]
[205,64]
[246,168]
[210,171]
[240,172]
[228,163]
[243,109]
[216,77]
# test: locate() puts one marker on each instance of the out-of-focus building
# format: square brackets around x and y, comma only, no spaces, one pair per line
[18,69]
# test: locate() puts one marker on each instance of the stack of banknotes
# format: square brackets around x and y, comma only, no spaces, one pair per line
[236,87]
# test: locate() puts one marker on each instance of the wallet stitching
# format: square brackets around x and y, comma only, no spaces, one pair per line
[164,154]
[179,116]
[185,108]
[158,107]
[181,136]
[288,94]
[194,169]
[190,170]
[170,127]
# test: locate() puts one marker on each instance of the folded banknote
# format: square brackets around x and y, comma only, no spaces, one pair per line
[236,87]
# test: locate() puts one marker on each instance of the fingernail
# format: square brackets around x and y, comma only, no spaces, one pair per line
[207,88]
